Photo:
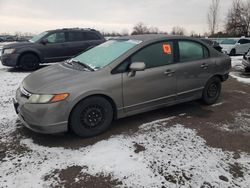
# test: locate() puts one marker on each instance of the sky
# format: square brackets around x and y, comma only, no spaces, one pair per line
[35,16]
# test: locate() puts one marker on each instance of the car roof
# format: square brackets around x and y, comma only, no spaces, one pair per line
[155,37]
[73,29]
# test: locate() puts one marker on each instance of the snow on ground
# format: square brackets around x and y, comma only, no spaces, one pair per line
[237,61]
[240,79]
[174,156]
[239,70]
[171,156]
[10,81]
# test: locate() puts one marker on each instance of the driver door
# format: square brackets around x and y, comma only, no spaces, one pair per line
[156,85]
[55,49]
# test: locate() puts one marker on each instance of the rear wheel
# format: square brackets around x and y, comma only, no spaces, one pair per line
[29,62]
[91,117]
[212,91]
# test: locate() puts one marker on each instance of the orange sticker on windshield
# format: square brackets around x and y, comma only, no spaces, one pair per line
[167,49]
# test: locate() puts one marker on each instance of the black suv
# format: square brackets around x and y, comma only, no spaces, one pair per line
[50,46]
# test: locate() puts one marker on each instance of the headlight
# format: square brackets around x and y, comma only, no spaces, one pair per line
[43,99]
[8,51]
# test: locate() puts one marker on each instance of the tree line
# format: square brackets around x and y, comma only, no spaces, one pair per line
[236,23]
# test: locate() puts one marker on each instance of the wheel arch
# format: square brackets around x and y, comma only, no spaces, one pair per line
[108,98]
[28,52]
[220,76]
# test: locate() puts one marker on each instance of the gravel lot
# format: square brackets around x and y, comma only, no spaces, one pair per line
[188,145]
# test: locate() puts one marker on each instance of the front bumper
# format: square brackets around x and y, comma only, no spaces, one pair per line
[42,118]
[10,60]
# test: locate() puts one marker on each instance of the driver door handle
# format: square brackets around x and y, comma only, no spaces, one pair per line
[204,66]
[169,72]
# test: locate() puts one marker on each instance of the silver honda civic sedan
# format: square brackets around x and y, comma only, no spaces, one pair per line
[120,78]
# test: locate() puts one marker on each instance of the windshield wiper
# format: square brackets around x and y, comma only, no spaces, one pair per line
[82,64]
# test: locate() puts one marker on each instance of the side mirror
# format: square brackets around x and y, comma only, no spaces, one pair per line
[44,41]
[136,66]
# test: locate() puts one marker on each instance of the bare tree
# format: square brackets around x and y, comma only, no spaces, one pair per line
[154,30]
[213,16]
[178,31]
[140,28]
[238,19]
[246,17]
[234,19]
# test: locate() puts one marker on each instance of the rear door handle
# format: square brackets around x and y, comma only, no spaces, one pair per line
[169,72]
[204,66]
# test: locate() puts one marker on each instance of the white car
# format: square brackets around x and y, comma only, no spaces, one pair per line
[235,46]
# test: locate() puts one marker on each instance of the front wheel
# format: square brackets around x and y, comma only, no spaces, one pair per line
[91,117]
[212,91]
[29,62]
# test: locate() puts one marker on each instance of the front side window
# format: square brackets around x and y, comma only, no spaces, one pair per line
[38,37]
[56,38]
[104,54]
[191,51]
[229,42]
[155,55]
[244,41]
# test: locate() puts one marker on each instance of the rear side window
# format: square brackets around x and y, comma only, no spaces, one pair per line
[155,55]
[76,36]
[91,36]
[191,51]
[244,41]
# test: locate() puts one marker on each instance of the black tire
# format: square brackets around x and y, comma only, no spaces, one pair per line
[29,62]
[212,91]
[247,69]
[91,117]
[233,52]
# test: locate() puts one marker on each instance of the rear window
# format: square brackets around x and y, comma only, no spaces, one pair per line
[91,36]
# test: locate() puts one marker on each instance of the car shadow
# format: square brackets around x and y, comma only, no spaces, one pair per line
[126,126]
[19,70]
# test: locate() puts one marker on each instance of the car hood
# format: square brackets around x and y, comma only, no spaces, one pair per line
[17,44]
[53,79]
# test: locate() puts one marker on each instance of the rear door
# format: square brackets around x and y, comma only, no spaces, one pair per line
[156,85]
[77,42]
[194,69]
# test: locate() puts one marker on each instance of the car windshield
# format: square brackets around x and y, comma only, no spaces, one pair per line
[102,55]
[228,41]
[38,37]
